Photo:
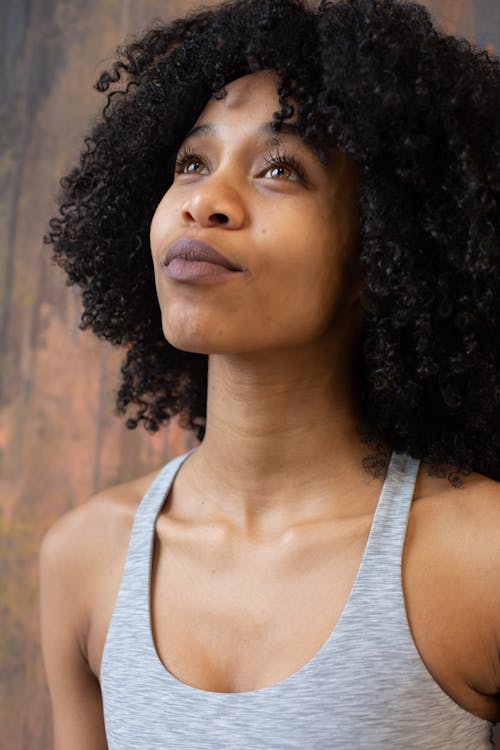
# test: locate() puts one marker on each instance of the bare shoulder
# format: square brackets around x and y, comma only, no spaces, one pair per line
[473,532]
[98,521]
[464,518]
[82,541]
[453,556]
[462,525]
[77,555]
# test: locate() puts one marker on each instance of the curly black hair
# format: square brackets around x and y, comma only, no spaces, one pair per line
[417,109]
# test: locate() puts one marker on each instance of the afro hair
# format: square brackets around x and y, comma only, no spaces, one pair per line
[417,109]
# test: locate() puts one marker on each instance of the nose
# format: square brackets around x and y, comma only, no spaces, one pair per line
[214,204]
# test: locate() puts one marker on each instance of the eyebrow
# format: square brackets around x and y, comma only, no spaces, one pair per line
[287,128]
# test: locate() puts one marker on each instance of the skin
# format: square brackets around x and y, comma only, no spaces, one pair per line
[262,534]
[280,335]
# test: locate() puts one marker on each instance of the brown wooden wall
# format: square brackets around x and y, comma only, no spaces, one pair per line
[59,439]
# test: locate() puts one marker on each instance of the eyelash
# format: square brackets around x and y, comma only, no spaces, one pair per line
[287,160]
[278,157]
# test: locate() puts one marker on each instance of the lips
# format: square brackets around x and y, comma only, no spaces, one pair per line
[196,250]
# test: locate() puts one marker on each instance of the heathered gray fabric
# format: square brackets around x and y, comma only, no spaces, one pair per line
[365,689]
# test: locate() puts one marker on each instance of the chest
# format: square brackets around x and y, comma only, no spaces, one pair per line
[234,621]
[249,620]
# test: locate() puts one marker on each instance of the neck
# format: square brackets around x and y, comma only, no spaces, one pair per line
[281,444]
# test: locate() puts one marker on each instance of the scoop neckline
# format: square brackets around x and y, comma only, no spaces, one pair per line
[288,681]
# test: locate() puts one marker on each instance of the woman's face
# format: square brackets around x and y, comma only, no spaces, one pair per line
[294,232]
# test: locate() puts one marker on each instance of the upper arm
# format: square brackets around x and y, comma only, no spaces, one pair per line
[74,690]
[496,585]
[484,535]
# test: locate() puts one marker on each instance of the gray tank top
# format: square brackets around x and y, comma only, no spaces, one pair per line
[365,689]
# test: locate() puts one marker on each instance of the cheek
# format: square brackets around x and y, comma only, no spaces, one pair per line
[161,221]
[155,228]
[312,260]
[297,294]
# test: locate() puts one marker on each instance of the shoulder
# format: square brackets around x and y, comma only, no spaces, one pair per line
[97,520]
[80,545]
[76,556]
[470,529]
[464,519]
[460,526]
[453,536]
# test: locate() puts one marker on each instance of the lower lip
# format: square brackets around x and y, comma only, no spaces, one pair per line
[192,270]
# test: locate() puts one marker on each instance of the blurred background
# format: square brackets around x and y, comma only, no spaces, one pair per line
[59,439]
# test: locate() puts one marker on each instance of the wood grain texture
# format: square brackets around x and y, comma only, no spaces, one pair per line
[59,439]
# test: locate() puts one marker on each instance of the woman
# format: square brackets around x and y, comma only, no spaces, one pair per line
[314,194]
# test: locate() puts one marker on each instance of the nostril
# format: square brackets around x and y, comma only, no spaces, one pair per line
[221,218]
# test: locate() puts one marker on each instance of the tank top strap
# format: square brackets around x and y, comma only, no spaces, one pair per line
[390,521]
[378,583]
[137,570]
[152,502]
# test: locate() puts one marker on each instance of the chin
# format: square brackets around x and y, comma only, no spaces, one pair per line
[206,344]
[196,343]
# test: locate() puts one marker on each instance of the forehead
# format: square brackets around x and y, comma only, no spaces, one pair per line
[249,104]
[255,92]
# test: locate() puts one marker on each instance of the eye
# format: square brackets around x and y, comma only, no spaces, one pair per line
[280,171]
[285,163]
[186,159]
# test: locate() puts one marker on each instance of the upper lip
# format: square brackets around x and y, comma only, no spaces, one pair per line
[193,249]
